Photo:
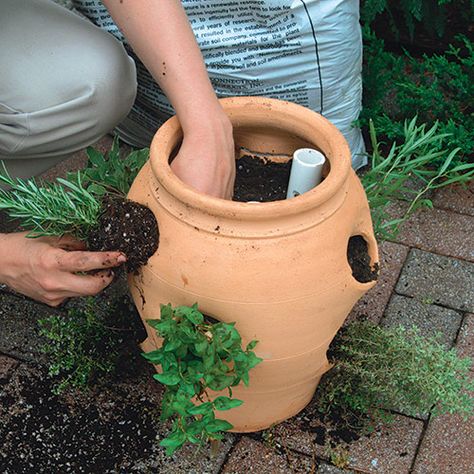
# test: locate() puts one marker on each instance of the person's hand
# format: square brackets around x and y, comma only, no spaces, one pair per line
[206,159]
[51,269]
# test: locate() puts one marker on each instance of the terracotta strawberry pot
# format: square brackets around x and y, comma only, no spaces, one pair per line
[279,269]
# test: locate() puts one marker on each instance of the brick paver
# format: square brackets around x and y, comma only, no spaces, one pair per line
[390,450]
[253,456]
[430,319]
[441,232]
[19,328]
[465,342]
[373,303]
[447,447]
[443,280]
[456,198]
[330,469]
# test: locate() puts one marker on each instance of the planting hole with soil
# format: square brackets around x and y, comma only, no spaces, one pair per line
[359,260]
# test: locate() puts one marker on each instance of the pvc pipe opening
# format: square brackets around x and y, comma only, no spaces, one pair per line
[306,171]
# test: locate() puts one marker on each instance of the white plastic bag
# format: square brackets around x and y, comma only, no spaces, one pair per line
[303,51]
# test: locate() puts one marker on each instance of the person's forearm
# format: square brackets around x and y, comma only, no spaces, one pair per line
[160,34]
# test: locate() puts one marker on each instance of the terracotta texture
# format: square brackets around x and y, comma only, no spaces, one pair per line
[278,269]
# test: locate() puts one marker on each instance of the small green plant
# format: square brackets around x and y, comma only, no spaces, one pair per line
[197,357]
[111,173]
[438,88]
[58,208]
[80,345]
[378,368]
[339,456]
[391,177]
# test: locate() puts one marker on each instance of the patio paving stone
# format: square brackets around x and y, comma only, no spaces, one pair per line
[249,455]
[390,450]
[429,318]
[439,231]
[447,447]
[373,303]
[443,280]
[19,329]
[456,198]
[330,469]
[465,342]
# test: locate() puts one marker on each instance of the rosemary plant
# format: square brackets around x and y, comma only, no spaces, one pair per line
[50,208]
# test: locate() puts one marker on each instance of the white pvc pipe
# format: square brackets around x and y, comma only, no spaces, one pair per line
[306,171]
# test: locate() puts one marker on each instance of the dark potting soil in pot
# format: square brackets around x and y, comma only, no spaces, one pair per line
[128,227]
[260,180]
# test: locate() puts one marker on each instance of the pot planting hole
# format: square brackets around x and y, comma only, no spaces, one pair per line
[359,260]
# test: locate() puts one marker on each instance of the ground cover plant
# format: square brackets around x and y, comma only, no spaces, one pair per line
[94,338]
[89,205]
[198,357]
[378,369]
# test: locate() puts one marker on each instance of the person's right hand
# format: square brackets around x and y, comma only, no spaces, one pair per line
[52,269]
[206,159]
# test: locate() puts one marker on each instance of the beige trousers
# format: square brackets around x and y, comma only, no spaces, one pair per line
[64,83]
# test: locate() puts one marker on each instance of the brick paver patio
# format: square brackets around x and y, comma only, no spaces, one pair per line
[427,278]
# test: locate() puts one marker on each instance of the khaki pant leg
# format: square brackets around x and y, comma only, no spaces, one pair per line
[64,83]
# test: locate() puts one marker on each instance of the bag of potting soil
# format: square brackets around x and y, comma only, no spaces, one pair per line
[303,51]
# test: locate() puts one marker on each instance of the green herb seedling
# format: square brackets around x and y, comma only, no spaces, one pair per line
[196,357]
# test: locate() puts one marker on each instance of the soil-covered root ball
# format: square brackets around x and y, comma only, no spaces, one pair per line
[128,227]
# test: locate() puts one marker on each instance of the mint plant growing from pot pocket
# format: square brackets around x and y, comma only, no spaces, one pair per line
[196,358]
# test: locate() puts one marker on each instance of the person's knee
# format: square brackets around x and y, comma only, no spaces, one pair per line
[87,99]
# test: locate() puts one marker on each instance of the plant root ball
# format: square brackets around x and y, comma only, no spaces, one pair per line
[128,227]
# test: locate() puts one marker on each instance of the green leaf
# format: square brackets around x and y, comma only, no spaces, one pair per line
[166,312]
[173,442]
[191,314]
[97,189]
[95,157]
[253,360]
[200,347]
[155,357]
[202,409]
[171,345]
[226,403]
[218,425]
[251,345]
[167,379]
[153,323]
